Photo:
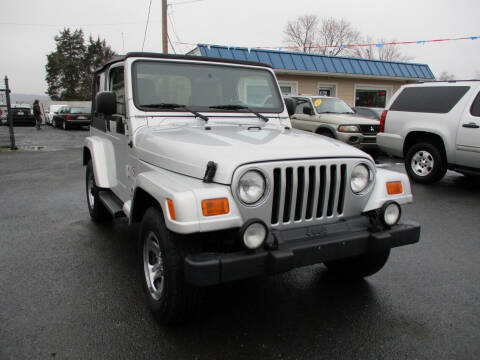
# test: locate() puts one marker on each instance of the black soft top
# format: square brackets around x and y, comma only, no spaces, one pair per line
[118,58]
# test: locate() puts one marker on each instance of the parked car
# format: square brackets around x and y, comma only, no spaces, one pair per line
[53,109]
[369,112]
[72,116]
[222,187]
[22,115]
[332,117]
[434,126]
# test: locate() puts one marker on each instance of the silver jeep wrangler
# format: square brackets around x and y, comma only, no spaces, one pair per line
[201,153]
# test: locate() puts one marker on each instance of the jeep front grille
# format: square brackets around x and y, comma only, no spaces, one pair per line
[308,192]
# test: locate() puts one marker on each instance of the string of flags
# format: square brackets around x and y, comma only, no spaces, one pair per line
[341,46]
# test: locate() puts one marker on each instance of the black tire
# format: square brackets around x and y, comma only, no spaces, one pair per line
[358,267]
[425,163]
[98,211]
[170,297]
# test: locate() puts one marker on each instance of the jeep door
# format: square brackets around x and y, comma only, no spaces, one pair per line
[117,132]
[468,135]
[304,117]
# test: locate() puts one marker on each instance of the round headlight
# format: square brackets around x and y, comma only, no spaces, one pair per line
[251,187]
[391,213]
[360,178]
[254,235]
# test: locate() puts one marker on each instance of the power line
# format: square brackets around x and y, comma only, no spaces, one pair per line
[170,41]
[146,25]
[75,25]
[170,18]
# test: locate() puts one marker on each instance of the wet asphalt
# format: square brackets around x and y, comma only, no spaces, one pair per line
[69,289]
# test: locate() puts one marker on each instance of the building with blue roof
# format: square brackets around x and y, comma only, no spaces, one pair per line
[360,82]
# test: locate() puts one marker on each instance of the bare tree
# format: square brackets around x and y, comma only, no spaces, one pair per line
[302,33]
[377,50]
[446,76]
[336,35]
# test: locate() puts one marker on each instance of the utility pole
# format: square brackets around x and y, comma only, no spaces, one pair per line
[164,27]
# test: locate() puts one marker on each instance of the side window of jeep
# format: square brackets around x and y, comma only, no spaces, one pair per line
[118,87]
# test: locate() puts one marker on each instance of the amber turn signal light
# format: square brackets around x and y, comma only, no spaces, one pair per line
[171,208]
[394,187]
[212,207]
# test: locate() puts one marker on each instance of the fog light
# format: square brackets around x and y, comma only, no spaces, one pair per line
[254,235]
[391,213]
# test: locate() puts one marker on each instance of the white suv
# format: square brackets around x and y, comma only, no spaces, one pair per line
[434,126]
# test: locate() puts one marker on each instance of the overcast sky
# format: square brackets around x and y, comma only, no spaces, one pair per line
[27,28]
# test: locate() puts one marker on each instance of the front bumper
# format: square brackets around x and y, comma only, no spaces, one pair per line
[359,140]
[82,122]
[296,248]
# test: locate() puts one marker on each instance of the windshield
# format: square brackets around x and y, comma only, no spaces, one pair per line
[331,105]
[203,86]
[79,110]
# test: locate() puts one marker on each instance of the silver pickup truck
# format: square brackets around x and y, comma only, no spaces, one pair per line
[201,153]
[332,117]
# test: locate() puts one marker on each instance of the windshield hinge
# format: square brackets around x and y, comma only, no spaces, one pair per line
[210,172]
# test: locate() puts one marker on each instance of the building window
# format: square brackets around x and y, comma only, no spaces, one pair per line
[372,96]
[288,87]
[327,89]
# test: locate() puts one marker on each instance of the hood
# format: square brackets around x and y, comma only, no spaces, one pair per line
[187,149]
[345,119]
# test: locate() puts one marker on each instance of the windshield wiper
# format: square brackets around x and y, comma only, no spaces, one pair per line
[239,107]
[176,106]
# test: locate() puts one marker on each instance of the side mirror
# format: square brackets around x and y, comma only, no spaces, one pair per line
[290,104]
[308,111]
[106,103]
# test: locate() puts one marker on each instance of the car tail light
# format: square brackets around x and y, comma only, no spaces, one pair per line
[382,120]
[68,117]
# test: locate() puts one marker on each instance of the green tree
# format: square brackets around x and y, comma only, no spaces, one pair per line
[70,68]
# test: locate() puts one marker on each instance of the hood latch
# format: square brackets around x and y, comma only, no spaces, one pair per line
[210,172]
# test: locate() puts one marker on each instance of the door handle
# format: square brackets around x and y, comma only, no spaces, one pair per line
[471,126]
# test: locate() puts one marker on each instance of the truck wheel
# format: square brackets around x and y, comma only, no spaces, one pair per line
[161,255]
[97,210]
[358,266]
[425,163]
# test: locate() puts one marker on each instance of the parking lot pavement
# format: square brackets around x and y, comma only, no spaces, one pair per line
[69,288]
